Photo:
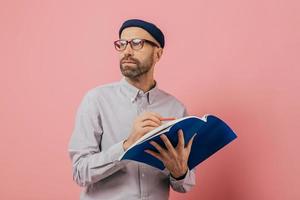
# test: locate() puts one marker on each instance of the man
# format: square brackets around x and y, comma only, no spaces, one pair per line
[112,117]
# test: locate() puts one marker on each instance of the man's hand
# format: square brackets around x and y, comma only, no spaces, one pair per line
[174,159]
[142,125]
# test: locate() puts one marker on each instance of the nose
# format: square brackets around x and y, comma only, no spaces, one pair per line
[128,50]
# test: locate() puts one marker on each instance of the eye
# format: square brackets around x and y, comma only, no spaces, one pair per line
[117,44]
[136,42]
[122,42]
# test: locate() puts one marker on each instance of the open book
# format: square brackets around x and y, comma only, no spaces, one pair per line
[212,135]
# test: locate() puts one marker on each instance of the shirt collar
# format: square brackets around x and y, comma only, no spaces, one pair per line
[133,92]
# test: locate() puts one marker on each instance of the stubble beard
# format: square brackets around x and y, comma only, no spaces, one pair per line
[135,71]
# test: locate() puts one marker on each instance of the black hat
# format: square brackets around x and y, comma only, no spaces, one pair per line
[149,27]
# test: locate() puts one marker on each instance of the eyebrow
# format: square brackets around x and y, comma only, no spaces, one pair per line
[151,42]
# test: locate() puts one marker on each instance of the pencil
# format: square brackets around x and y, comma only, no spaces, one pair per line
[167,118]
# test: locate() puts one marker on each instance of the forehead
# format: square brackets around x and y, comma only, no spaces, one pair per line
[136,32]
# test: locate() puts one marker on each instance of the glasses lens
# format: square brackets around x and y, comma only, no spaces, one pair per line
[120,45]
[137,44]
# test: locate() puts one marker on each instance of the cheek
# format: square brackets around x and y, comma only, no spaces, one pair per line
[121,55]
[144,55]
[139,56]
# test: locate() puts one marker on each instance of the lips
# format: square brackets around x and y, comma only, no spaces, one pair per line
[128,62]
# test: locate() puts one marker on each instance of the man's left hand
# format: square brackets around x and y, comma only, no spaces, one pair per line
[174,159]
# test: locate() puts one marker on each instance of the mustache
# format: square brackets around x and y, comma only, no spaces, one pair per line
[127,59]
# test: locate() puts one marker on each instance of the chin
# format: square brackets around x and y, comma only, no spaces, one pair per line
[128,67]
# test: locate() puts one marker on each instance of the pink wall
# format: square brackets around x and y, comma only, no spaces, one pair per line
[236,59]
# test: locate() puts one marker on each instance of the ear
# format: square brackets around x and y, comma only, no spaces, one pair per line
[158,54]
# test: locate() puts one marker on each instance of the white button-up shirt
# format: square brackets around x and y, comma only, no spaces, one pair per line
[103,121]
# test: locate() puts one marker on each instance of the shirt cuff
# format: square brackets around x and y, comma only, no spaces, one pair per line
[117,151]
[179,179]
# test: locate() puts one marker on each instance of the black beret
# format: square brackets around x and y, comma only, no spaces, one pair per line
[149,27]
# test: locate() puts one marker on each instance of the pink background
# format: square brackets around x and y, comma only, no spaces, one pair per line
[237,59]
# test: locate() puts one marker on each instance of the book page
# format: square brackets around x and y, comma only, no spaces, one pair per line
[162,129]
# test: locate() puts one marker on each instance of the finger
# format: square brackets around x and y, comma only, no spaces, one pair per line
[189,146]
[149,123]
[155,114]
[147,129]
[152,118]
[155,118]
[168,144]
[154,154]
[161,150]
[180,144]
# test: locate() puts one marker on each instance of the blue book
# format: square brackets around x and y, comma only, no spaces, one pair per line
[212,135]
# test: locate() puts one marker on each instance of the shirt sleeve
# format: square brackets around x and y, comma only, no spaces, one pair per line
[185,112]
[185,184]
[89,163]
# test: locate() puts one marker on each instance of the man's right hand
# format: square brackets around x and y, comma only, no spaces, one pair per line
[144,123]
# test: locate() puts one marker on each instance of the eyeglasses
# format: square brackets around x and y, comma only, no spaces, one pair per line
[136,44]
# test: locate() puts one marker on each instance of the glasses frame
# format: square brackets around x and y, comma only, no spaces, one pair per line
[130,41]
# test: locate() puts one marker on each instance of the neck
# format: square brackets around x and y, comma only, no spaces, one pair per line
[144,83]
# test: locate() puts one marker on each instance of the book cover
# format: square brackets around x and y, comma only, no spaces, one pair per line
[212,135]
